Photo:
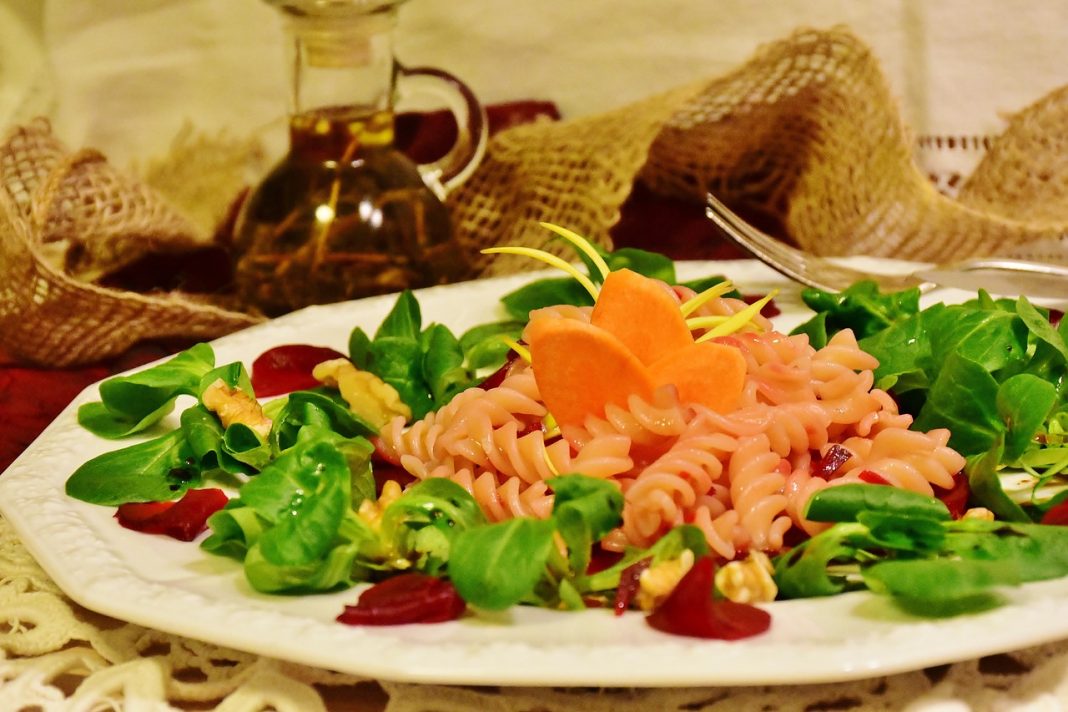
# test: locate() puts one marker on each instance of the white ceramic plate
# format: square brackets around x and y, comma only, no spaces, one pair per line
[172,586]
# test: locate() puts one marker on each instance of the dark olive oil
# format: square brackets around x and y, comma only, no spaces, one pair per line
[343,215]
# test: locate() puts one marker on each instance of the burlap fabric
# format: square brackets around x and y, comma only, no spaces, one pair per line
[807,129]
[67,218]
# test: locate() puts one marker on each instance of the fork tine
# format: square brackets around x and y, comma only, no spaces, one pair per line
[771,245]
[775,253]
[810,270]
[732,223]
[745,234]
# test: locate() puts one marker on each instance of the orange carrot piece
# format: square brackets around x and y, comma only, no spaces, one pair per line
[641,314]
[709,373]
[580,368]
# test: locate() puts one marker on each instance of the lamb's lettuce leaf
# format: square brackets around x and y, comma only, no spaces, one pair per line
[156,470]
[994,372]
[928,563]
[130,404]
[427,366]
[861,307]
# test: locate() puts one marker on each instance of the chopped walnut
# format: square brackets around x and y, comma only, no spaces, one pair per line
[368,396]
[659,580]
[979,513]
[371,510]
[748,580]
[233,405]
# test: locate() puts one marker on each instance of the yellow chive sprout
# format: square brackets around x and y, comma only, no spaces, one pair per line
[549,462]
[549,259]
[697,301]
[522,351]
[705,322]
[739,320]
[583,246]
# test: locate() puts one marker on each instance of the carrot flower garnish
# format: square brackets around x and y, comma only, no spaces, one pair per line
[638,340]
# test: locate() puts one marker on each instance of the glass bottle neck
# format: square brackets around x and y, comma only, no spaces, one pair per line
[342,73]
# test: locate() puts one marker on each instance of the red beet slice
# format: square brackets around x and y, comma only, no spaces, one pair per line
[956,497]
[182,520]
[288,368]
[691,610]
[831,462]
[497,377]
[629,585]
[873,478]
[407,598]
[601,559]
[1057,514]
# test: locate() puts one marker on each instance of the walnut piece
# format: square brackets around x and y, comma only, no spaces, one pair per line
[659,580]
[371,510]
[748,580]
[981,513]
[233,405]
[368,396]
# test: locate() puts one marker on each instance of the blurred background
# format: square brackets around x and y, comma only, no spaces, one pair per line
[125,77]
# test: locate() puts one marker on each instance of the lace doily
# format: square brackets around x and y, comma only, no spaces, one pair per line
[57,656]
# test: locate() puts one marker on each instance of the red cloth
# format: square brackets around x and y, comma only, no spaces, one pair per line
[30,397]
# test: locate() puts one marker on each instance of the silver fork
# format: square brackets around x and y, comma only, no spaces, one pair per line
[999,276]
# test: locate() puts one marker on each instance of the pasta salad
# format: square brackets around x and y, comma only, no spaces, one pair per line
[619,441]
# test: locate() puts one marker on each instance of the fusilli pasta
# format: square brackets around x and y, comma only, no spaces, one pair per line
[742,477]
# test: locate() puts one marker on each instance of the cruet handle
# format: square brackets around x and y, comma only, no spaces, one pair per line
[452,169]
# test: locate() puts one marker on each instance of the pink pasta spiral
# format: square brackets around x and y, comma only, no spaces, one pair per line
[743,478]
[665,490]
[492,443]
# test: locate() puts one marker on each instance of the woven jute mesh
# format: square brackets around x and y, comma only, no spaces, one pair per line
[810,130]
[65,218]
[574,173]
[807,129]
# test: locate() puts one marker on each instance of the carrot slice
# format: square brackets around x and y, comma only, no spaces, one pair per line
[580,368]
[709,373]
[641,314]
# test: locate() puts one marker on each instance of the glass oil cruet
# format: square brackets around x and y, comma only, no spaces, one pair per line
[345,214]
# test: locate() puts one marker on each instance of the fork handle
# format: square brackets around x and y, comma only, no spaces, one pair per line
[1010,265]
